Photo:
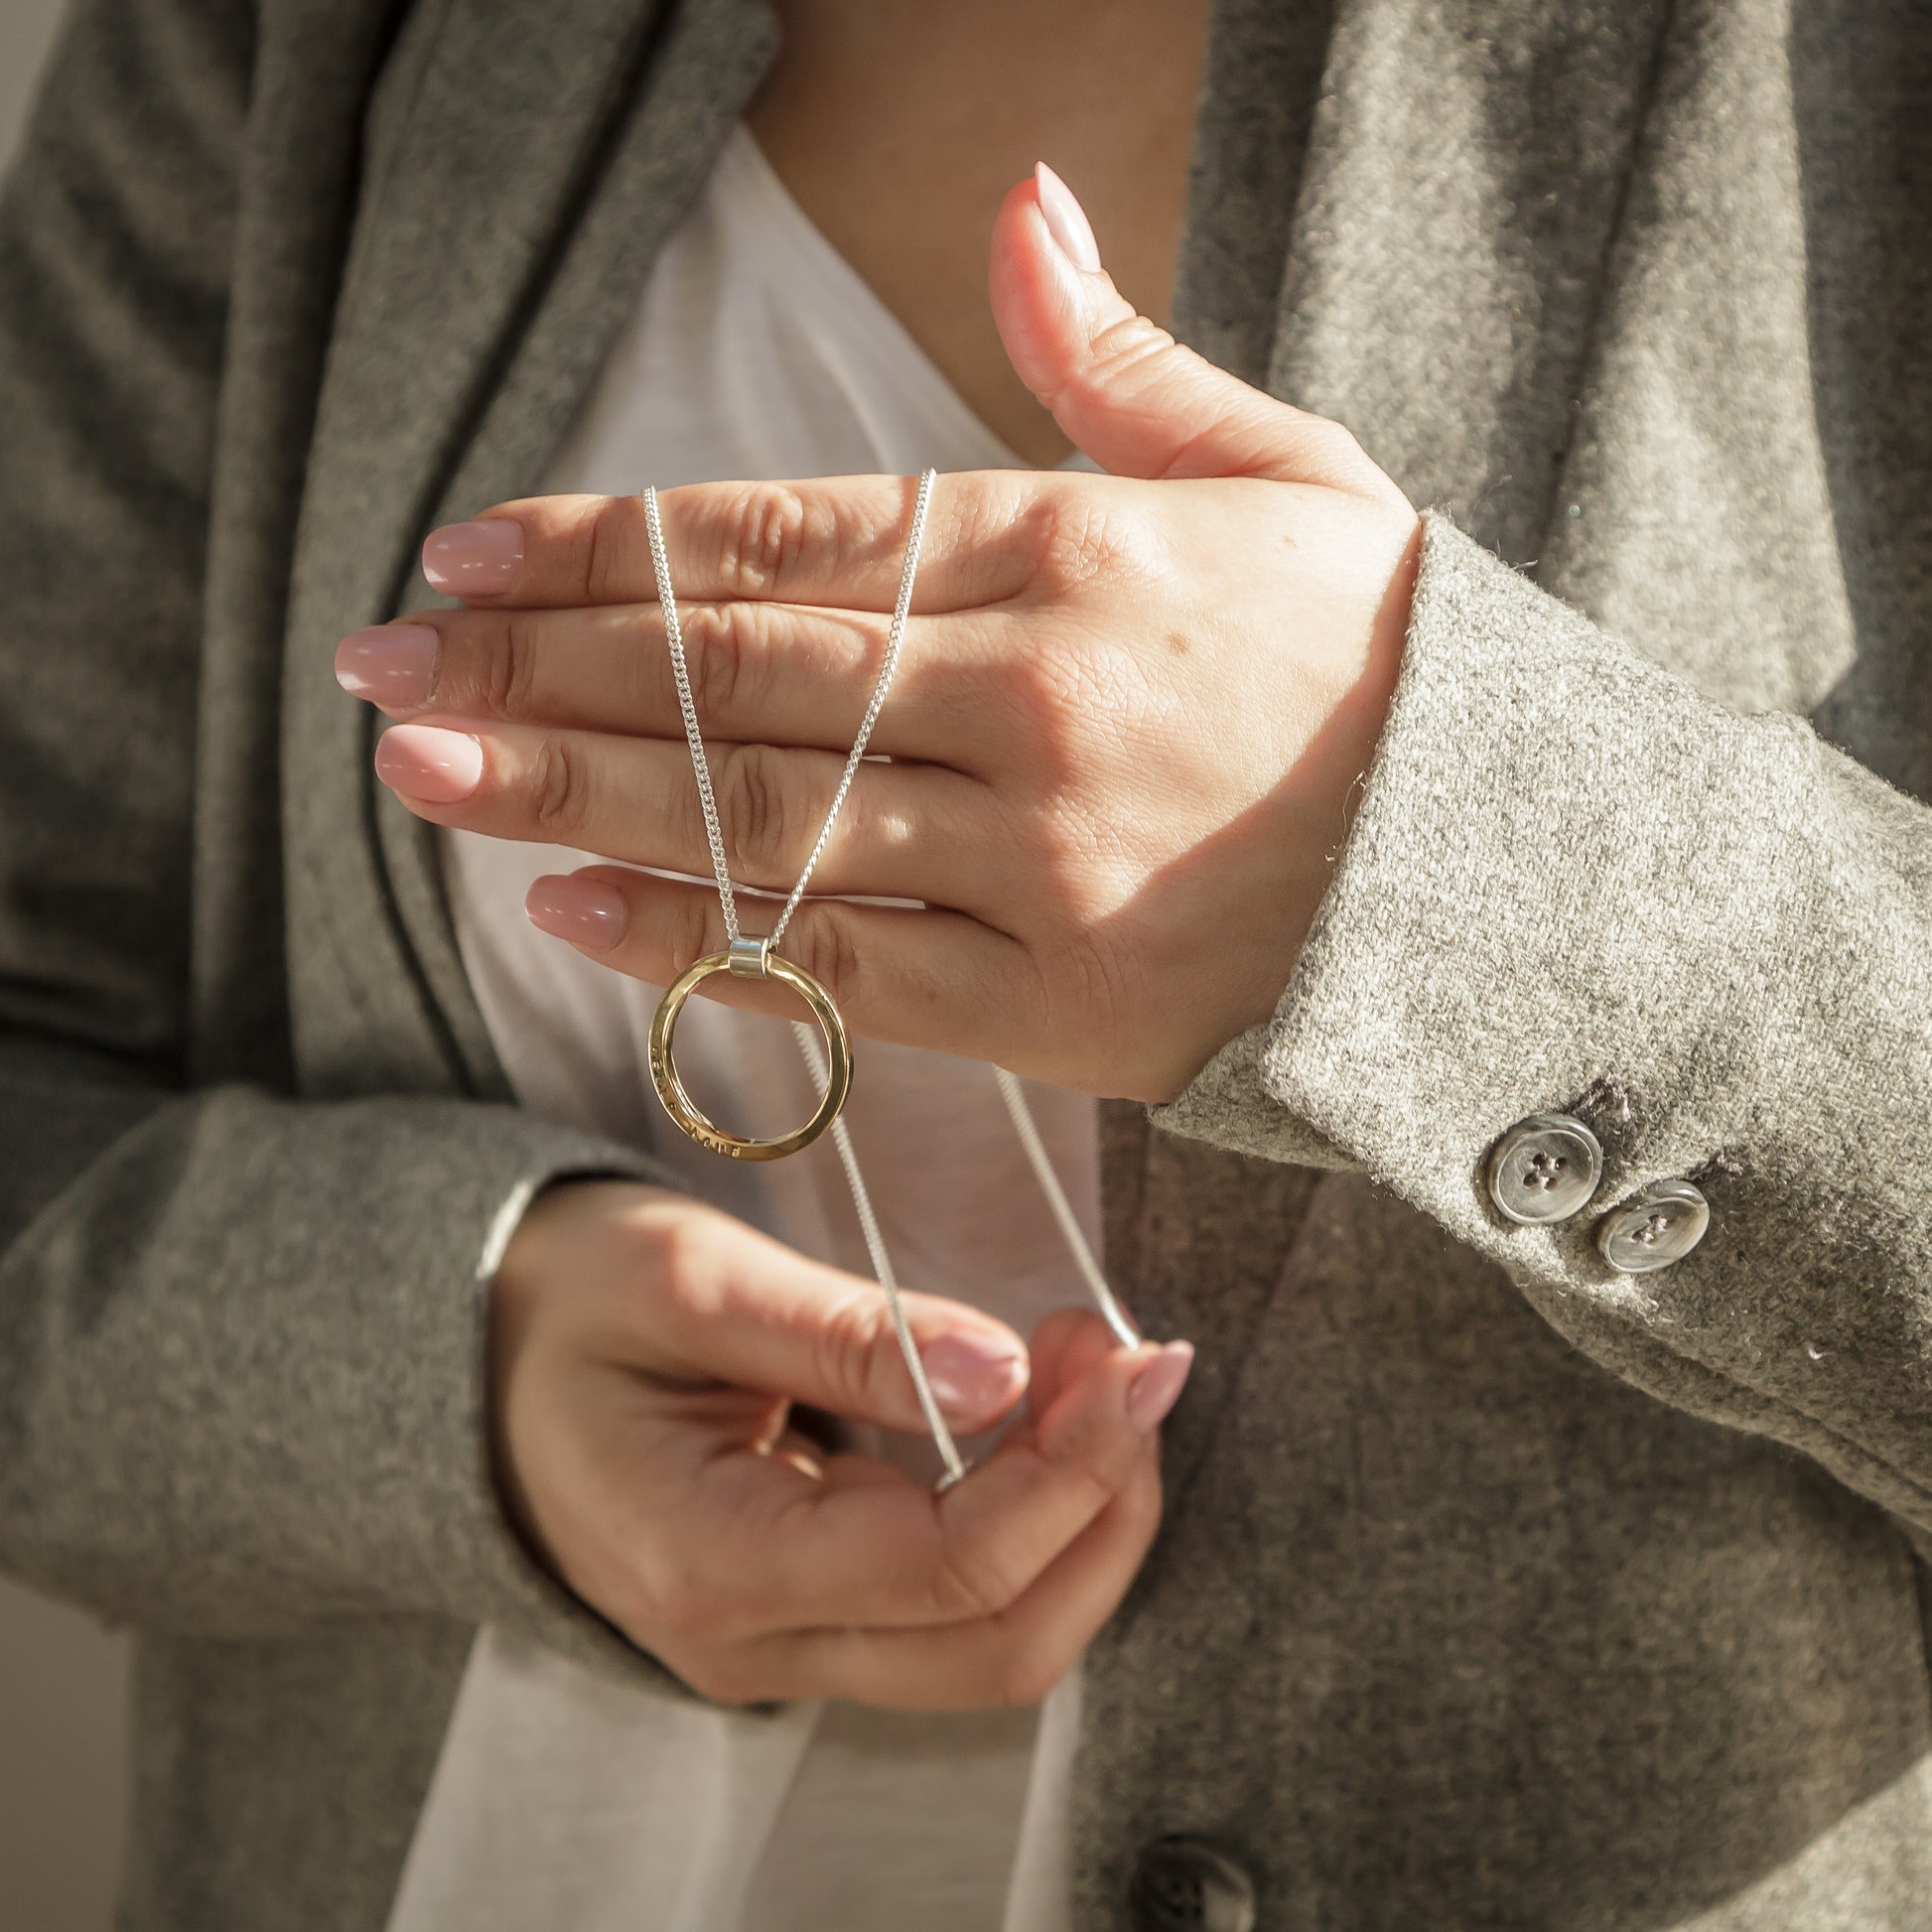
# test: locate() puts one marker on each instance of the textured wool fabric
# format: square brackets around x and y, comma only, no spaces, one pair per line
[1495,1591]
[1767,1013]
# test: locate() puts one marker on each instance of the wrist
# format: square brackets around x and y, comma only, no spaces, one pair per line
[1318,802]
[535,1297]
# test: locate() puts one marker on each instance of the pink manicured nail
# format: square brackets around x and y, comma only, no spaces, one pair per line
[585,911]
[1157,1387]
[389,664]
[974,1377]
[428,762]
[480,559]
[1066,221]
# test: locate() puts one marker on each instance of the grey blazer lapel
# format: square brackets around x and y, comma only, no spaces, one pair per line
[524,162]
[1465,177]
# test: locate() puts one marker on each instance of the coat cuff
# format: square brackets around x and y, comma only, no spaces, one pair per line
[255,1396]
[1575,884]
[1544,867]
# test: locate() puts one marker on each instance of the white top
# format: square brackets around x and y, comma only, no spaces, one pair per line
[562,1801]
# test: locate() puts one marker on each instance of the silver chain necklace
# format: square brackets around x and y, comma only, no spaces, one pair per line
[674,637]
[830,1063]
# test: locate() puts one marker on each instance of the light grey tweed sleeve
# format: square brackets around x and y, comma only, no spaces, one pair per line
[1571,874]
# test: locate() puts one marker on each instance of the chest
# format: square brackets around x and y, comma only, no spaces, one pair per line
[899,130]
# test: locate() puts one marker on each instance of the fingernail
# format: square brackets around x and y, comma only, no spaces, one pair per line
[479,559]
[585,911]
[428,762]
[389,664]
[1066,221]
[974,1377]
[1157,1387]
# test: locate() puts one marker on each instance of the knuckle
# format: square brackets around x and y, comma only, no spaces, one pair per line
[613,535]
[1001,533]
[756,803]
[1125,346]
[660,1599]
[821,939]
[966,1588]
[1341,442]
[1043,691]
[1336,457]
[1092,704]
[715,644]
[1073,718]
[558,789]
[677,1255]
[1090,536]
[845,1350]
[507,671]
[1054,846]
[689,933]
[1072,546]
[764,534]
[1104,975]
[694,1612]
[1086,1453]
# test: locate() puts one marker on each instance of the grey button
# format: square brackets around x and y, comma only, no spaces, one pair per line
[1185,1884]
[1656,1226]
[1545,1169]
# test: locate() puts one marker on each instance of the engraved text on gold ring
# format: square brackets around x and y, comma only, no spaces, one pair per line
[678,1104]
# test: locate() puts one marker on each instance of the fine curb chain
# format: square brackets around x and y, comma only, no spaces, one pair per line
[674,637]
[881,1266]
[1070,1230]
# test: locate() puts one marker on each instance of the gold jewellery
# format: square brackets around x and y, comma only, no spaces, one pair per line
[749,959]
[759,959]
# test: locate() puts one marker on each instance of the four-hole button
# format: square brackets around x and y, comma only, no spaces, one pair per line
[1544,1170]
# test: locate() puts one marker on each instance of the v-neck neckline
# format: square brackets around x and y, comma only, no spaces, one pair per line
[802,253]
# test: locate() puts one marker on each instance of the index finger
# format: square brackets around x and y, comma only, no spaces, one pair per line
[837,541]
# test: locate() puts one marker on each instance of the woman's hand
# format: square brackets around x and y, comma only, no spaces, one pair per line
[1124,731]
[645,1353]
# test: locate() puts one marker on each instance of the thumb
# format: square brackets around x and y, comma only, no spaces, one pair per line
[740,1307]
[1119,385]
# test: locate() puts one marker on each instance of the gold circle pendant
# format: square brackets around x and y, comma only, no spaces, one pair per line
[679,1105]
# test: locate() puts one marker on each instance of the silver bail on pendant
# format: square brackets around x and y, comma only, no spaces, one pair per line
[748,958]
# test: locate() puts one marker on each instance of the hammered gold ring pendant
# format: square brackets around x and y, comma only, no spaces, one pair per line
[748,959]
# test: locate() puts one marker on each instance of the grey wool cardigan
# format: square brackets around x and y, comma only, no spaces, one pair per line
[1496,1589]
